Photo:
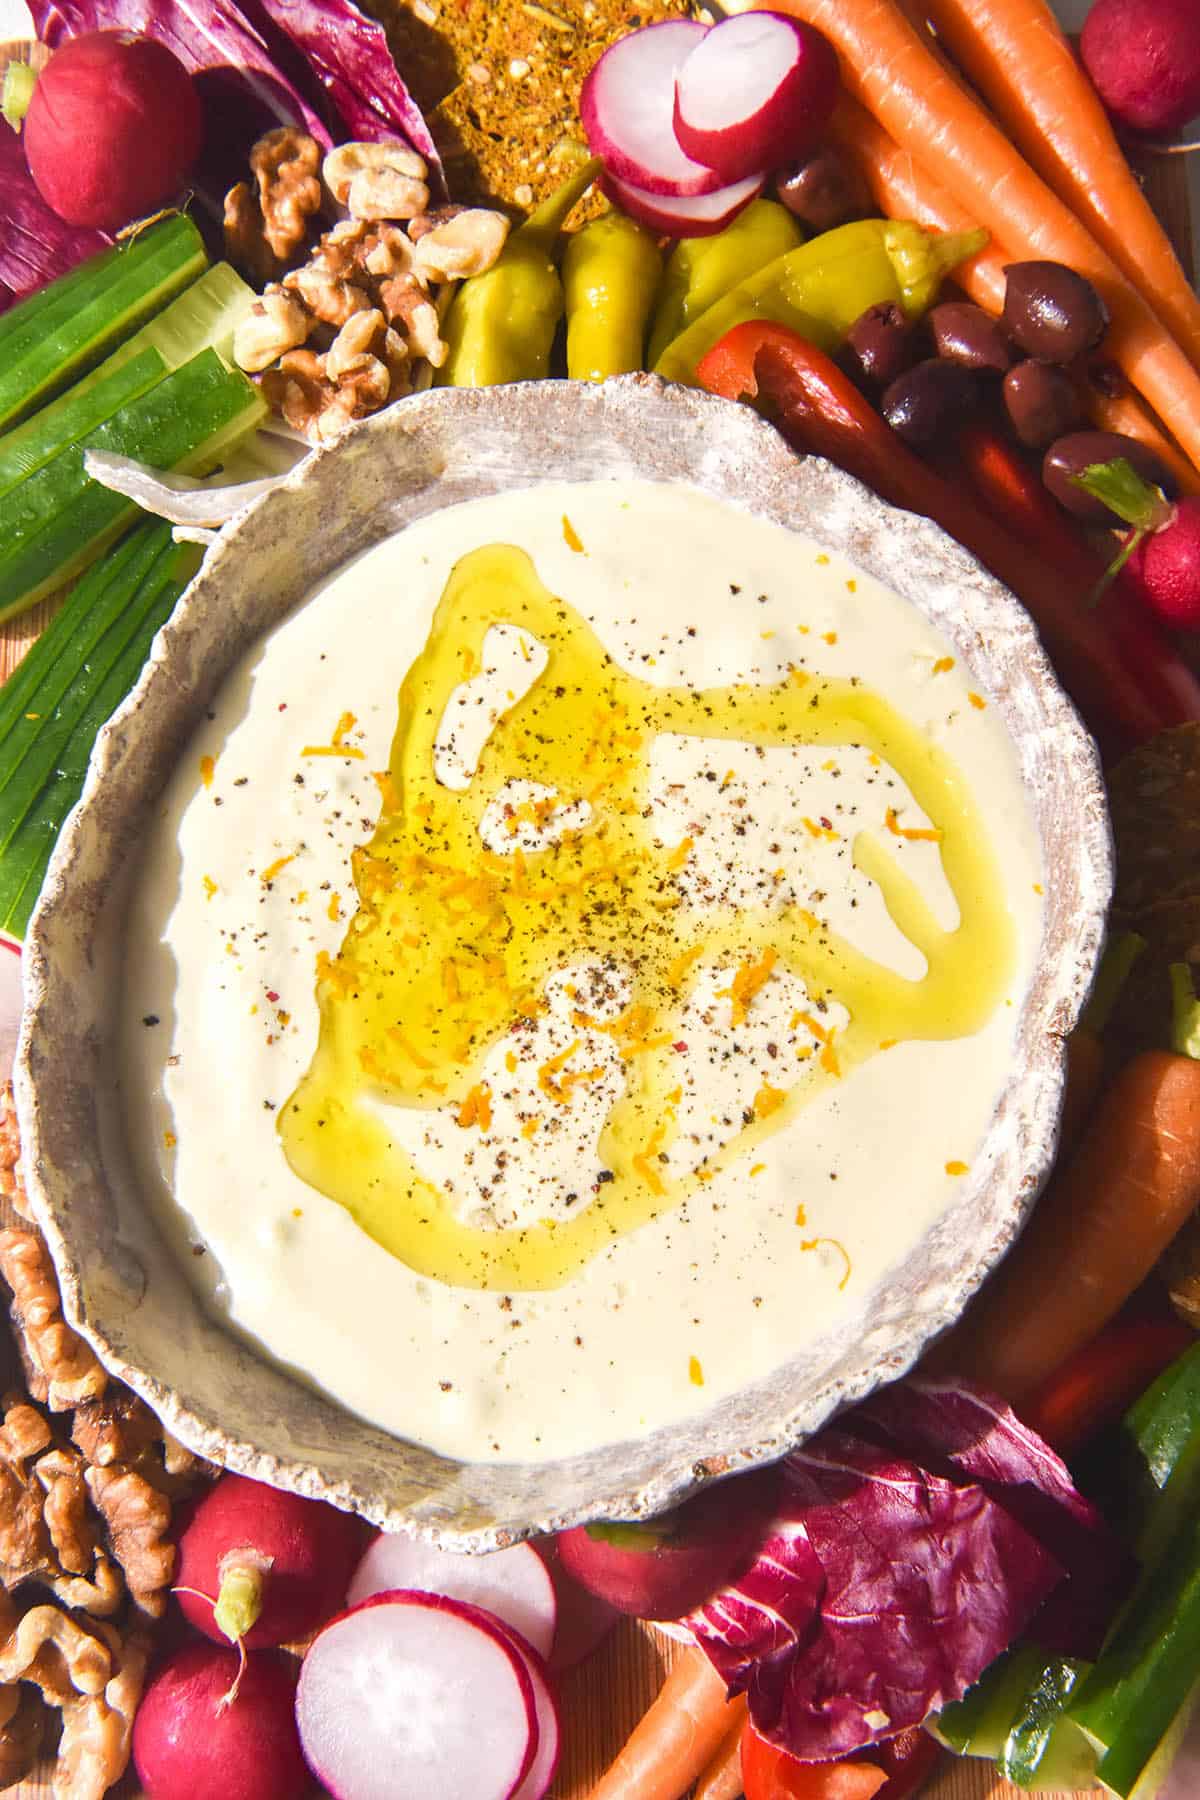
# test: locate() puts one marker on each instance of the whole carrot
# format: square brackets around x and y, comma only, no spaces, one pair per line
[887,66]
[1015,53]
[1100,1227]
[675,1740]
[902,189]
[722,1779]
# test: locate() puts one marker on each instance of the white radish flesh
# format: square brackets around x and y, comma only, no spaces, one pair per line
[544,1767]
[683,218]
[514,1584]
[627,107]
[411,1696]
[756,92]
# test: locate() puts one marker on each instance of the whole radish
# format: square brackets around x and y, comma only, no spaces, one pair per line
[258,1566]
[191,1739]
[113,126]
[1144,59]
[1166,566]
[1162,551]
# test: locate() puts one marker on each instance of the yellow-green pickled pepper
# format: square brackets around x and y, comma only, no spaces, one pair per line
[700,270]
[501,325]
[820,289]
[610,273]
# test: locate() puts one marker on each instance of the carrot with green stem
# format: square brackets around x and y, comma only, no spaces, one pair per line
[888,67]
[675,1740]
[903,189]
[1102,1224]
[1016,55]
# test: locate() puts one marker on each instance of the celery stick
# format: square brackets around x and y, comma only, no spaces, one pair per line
[40,692]
[58,333]
[68,637]
[75,413]
[31,815]
[58,520]
[204,316]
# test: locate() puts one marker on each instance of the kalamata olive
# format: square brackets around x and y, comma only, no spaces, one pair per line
[1041,402]
[1053,313]
[929,400]
[965,334]
[880,344]
[1071,455]
[823,190]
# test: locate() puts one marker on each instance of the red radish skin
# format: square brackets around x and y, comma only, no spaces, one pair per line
[187,1743]
[1166,567]
[305,1550]
[539,1778]
[683,218]
[627,105]
[1144,59]
[513,1584]
[112,129]
[757,92]
[410,1696]
[665,1568]
[583,1620]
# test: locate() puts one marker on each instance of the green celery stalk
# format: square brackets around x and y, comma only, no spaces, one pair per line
[58,520]
[1147,1669]
[204,316]
[977,1724]
[150,580]
[1043,1749]
[70,634]
[47,341]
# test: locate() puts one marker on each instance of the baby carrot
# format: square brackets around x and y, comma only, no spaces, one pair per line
[722,1779]
[1015,53]
[887,66]
[673,1741]
[1100,1227]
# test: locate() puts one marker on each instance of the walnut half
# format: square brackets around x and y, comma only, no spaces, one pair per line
[377,181]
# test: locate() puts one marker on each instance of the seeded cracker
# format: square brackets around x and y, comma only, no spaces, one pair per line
[499,82]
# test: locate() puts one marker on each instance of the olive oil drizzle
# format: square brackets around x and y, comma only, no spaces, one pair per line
[453,944]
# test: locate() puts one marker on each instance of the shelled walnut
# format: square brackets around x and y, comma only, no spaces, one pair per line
[368,305]
[267,225]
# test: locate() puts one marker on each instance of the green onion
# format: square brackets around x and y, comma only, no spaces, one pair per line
[58,520]
[204,316]
[76,675]
[67,327]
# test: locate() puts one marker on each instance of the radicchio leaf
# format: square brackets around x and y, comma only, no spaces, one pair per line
[35,245]
[954,1426]
[915,1540]
[316,63]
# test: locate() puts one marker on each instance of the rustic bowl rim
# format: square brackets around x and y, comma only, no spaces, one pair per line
[64,1127]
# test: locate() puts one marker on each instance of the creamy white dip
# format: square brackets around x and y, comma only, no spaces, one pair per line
[246,879]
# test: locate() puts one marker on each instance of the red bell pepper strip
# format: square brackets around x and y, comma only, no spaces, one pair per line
[819,411]
[1097,1385]
[893,1770]
[1018,499]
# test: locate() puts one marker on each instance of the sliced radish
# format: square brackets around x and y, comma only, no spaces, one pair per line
[756,92]
[697,217]
[544,1766]
[627,107]
[412,1695]
[513,1584]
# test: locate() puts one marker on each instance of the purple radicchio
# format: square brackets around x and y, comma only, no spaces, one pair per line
[35,245]
[915,1540]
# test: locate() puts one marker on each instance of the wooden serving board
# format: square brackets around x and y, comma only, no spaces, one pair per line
[603,1700]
